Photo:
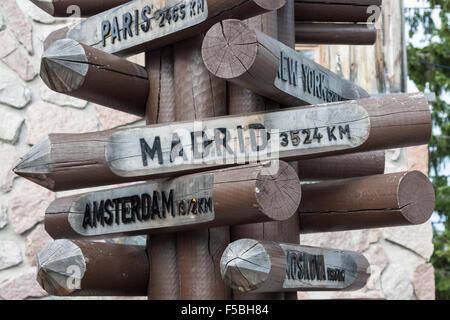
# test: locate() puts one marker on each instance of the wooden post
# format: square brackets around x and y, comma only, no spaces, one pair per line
[79,8]
[241,101]
[241,195]
[199,95]
[286,35]
[140,25]
[267,67]
[249,265]
[70,161]
[341,167]
[334,11]
[85,268]
[161,248]
[335,33]
[397,199]
[83,72]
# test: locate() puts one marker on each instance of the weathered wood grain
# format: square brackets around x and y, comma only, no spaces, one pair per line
[161,248]
[76,8]
[199,95]
[70,161]
[84,268]
[241,101]
[333,11]
[397,199]
[271,69]
[240,195]
[343,166]
[160,23]
[249,265]
[335,33]
[80,71]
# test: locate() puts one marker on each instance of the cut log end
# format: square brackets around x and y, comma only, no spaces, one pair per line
[64,66]
[416,197]
[245,265]
[270,5]
[278,190]
[46,5]
[61,267]
[229,49]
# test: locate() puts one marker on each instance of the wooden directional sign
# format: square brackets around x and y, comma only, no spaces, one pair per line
[270,68]
[238,195]
[68,161]
[283,134]
[134,26]
[259,266]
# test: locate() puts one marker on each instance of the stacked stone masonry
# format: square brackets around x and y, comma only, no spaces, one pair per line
[399,256]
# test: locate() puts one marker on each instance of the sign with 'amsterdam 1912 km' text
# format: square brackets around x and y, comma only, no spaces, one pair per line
[230,140]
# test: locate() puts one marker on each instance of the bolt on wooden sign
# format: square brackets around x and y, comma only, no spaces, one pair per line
[236,140]
[137,22]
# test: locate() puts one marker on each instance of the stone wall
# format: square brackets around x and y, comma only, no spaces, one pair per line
[30,111]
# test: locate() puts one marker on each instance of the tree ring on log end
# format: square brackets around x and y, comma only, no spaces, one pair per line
[229,57]
[245,265]
[279,190]
[416,197]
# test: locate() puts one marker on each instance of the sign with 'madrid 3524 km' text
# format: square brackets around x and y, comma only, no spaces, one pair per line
[136,22]
[231,140]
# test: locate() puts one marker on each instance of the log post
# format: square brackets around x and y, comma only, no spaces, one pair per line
[161,248]
[335,33]
[77,70]
[241,101]
[69,8]
[396,199]
[199,95]
[334,11]
[286,35]
[70,161]
[85,268]
[341,167]
[249,265]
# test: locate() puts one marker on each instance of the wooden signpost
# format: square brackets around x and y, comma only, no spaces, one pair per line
[270,68]
[249,265]
[84,268]
[246,194]
[335,33]
[140,25]
[68,161]
[217,171]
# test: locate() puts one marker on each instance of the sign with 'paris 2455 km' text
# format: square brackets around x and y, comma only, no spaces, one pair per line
[137,22]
